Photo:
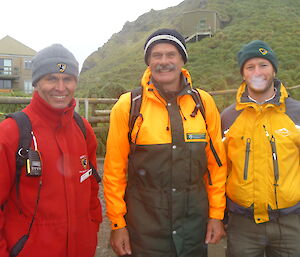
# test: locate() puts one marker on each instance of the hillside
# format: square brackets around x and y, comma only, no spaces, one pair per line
[118,65]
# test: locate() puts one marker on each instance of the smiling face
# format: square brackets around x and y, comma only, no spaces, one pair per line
[259,75]
[165,63]
[57,89]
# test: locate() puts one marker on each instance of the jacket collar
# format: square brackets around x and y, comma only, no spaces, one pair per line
[51,116]
[149,86]
[243,100]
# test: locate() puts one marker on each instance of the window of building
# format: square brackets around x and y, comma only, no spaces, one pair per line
[5,66]
[27,65]
[202,24]
[28,88]
[5,84]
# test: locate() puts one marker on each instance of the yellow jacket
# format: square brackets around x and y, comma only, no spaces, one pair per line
[155,130]
[262,144]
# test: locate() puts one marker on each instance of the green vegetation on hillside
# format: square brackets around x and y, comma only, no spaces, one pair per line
[118,65]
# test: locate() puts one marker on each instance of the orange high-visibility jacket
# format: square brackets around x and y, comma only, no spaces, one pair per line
[154,131]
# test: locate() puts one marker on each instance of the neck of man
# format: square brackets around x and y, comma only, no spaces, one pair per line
[173,87]
[262,97]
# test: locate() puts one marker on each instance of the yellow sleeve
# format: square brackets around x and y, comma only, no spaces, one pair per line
[218,174]
[115,164]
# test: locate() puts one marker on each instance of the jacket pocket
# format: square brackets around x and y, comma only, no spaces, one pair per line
[197,161]
[247,155]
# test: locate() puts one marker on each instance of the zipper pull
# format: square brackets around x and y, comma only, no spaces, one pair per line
[247,154]
[267,133]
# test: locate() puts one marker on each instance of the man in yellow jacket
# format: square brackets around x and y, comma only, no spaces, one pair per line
[164,181]
[262,138]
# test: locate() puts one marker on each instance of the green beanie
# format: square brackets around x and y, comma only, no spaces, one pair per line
[257,48]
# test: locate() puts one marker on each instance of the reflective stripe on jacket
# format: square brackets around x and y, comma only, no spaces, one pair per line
[262,144]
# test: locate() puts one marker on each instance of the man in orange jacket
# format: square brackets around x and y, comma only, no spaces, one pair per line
[165,185]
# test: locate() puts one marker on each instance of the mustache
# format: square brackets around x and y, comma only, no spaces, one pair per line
[168,67]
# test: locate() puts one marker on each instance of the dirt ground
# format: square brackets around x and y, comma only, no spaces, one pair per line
[104,250]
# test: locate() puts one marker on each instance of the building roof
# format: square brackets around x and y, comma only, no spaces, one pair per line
[11,46]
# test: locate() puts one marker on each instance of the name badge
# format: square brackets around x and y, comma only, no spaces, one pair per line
[84,176]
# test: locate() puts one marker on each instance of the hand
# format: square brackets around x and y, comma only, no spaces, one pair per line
[215,231]
[119,241]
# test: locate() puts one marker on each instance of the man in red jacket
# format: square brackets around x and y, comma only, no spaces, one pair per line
[56,211]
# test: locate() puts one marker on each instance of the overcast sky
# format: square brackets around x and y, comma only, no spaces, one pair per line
[80,25]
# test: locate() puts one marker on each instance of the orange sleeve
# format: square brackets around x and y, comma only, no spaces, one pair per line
[115,164]
[215,189]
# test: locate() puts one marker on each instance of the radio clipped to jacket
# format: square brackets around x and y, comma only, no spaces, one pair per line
[34,163]
[34,160]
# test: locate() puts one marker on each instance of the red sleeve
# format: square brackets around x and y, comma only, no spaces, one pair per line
[8,146]
[95,205]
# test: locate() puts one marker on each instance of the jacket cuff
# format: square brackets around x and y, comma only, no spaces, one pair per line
[216,214]
[119,223]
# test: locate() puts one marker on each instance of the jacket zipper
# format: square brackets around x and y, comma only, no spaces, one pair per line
[274,158]
[274,154]
[248,141]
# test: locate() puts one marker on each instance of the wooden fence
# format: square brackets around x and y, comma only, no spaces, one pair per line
[89,106]
[102,116]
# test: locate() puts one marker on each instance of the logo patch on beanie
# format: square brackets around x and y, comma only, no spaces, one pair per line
[263,51]
[62,67]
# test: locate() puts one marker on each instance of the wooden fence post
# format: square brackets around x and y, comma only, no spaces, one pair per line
[77,108]
[86,108]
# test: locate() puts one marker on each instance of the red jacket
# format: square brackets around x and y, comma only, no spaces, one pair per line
[69,211]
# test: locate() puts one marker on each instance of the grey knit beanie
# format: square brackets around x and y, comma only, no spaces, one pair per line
[53,59]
